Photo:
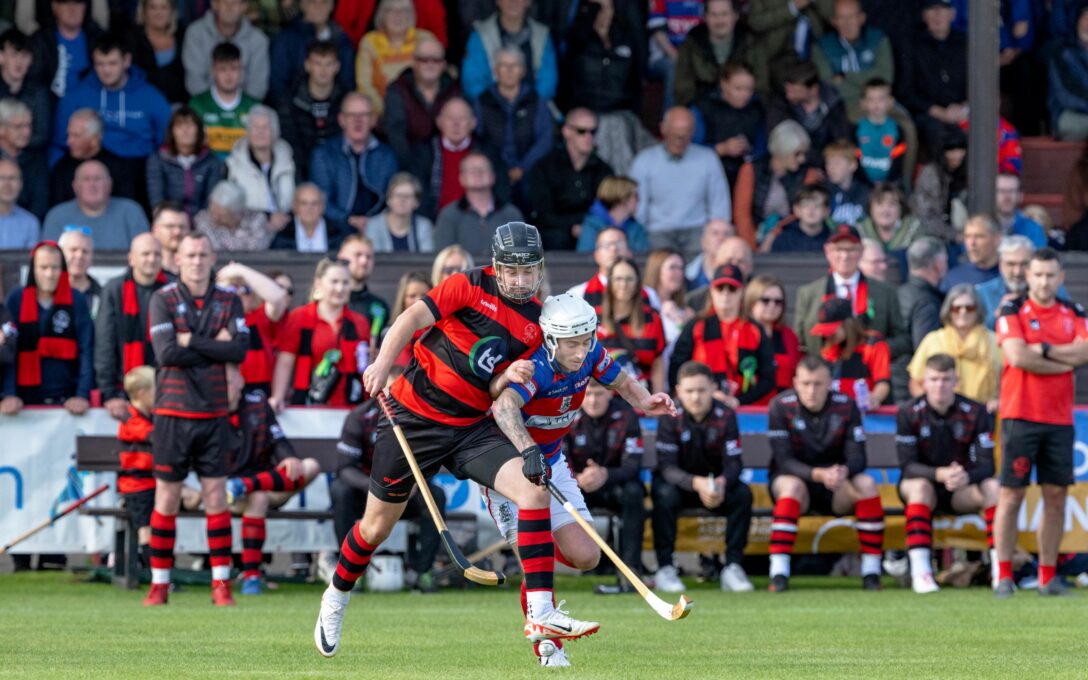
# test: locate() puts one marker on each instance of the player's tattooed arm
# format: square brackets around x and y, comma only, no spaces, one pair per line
[507,413]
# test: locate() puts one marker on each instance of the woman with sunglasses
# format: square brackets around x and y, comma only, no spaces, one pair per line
[765,304]
[766,186]
[265,304]
[968,341]
[737,350]
[860,359]
[324,347]
[449,261]
[630,327]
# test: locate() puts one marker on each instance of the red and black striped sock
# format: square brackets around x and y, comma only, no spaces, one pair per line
[355,555]
[163,535]
[272,480]
[219,544]
[919,526]
[253,535]
[988,515]
[784,526]
[537,549]
[870,525]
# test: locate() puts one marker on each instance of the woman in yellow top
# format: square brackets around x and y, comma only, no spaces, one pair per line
[387,51]
[971,344]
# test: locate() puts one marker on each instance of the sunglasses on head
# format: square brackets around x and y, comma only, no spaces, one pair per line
[78,228]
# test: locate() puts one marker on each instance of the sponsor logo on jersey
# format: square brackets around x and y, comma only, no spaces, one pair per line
[486,355]
[490,305]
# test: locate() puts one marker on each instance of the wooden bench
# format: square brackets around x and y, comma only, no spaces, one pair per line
[97,453]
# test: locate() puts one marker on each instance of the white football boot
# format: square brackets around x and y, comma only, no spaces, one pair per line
[330,619]
[557,624]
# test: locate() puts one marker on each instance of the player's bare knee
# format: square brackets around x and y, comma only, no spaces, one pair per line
[788,486]
[531,497]
[864,485]
[990,489]
[214,491]
[167,497]
[311,468]
[586,559]
[1011,495]
[919,491]
[1054,494]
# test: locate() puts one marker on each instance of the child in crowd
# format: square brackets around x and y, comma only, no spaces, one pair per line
[807,230]
[849,194]
[879,138]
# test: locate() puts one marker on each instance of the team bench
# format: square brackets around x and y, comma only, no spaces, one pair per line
[98,453]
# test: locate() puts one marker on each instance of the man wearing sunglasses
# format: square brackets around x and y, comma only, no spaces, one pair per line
[564,183]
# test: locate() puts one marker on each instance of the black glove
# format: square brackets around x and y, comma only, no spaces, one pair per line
[534,467]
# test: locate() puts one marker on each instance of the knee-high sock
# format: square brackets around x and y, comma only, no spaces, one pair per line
[355,555]
[919,538]
[919,526]
[988,515]
[163,534]
[219,544]
[783,534]
[870,525]
[253,535]
[537,550]
[272,480]
[525,612]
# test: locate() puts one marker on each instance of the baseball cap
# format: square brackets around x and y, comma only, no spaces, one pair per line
[832,314]
[728,275]
[844,232]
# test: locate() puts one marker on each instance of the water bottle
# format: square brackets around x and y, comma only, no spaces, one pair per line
[861,394]
[362,356]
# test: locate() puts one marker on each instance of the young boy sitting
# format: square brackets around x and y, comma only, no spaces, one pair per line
[849,194]
[807,230]
[879,138]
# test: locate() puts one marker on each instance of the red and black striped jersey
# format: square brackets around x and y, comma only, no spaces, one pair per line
[256,442]
[642,348]
[135,454]
[927,440]
[477,334]
[801,439]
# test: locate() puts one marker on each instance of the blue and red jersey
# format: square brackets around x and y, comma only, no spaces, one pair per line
[552,398]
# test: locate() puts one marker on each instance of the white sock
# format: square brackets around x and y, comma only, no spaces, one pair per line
[870,564]
[920,562]
[333,594]
[538,602]
[780,565]
[160,576]
[221,573]
[993,565]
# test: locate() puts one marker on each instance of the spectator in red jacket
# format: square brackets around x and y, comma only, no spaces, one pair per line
[765,304]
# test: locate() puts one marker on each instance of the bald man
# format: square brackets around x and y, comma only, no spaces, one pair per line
[121,341]
[113,222]
[733,250]
[681,186]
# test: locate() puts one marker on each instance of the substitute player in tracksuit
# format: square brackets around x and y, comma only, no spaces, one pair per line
[538,408]
[481,321]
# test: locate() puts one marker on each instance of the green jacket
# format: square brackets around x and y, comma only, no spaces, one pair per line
[771,24]
[873,55]
[883,316]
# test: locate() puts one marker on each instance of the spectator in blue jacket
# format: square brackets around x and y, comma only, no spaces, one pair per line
[508,27]
[617,201]
[354,168]
[134,113]
[1008,196]
[287,52]
[511,117]
[1068,79]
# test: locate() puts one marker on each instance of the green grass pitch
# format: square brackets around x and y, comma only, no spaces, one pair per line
[54,626]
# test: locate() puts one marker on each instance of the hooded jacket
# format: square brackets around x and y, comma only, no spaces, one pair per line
[134,117]
[196,55]
[261,195]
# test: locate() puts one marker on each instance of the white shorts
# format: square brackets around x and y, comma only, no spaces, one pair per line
[505,512]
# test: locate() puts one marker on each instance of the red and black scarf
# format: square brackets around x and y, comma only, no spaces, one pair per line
[135,455]
[862,306]
[56,341]
[135,341]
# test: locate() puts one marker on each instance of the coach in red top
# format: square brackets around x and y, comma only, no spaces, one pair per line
[197,328]
[1042,338]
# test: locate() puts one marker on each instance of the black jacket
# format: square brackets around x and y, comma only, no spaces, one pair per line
[35,194]
[126,177]
[306,124]
[598,77]
[920,302]
[408,120]
[826,125]
[936,74]
[44,46]
[687,448]
[40,103]
[168,79]
[8,330]
[613,441]
[108,346]
[285,239]
[722,121]
[561,195]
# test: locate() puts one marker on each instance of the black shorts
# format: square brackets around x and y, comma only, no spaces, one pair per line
[1048,448]
[139,506]
[181,444]
[475,452]
[944,497]
[819,497]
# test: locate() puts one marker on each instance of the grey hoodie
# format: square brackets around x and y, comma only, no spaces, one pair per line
[196,55]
